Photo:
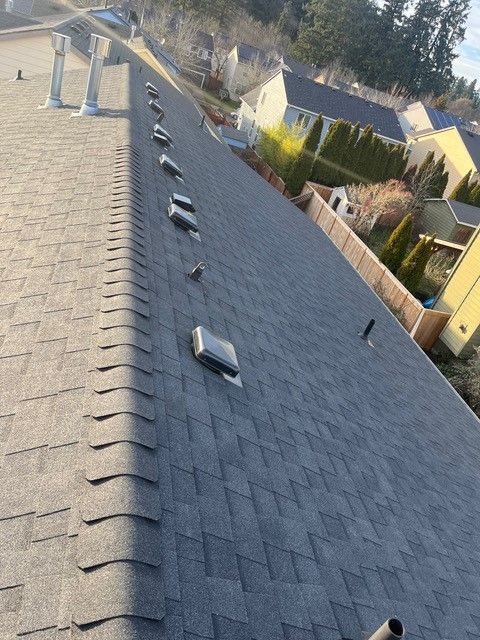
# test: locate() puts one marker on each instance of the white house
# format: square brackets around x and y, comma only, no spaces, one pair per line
[246,66]
[298,100]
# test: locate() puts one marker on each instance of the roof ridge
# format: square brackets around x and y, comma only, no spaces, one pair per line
[118,541]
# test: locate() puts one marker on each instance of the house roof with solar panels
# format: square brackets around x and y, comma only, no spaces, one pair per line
[195,440]
[419,118]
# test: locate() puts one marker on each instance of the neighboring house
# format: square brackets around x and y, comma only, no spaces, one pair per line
[450,221]
[460,296]
[342,202]
[419,118]
[298,68]
[246,66]
[142,495]
[234,137]
[461,149]
[199,65]
[246,114]
[297,100]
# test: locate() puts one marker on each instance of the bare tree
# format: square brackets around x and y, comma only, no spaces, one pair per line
[255,72]
[385,203]
[176,32]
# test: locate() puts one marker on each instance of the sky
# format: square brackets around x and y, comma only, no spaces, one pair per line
[468,62]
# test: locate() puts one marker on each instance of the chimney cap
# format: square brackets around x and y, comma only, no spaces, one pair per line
[61,43]
[99,45]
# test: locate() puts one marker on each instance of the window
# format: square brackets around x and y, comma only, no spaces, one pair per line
[335,203]
[303,120]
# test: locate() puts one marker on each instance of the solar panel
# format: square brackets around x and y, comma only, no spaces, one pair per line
[441,120]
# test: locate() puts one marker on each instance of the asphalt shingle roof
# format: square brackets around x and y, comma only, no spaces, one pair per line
[142,496]
[13,20]
[465,212]
[472,142]
[333,103]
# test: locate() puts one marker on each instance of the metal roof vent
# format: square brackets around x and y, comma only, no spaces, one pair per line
[214,352]
[391,629]
[182,218]
[169,165]
[61,45]
[162,136]
[183,202]
[151,90]
[100,49]
[155,106]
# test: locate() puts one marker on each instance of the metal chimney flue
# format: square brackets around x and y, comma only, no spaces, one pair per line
[61,46]
[100,50]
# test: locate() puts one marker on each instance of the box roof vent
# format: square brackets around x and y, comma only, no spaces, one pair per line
[151,90]
[155,106]
[169,165]
[183,202]
[165,142]
[214,352]
[163,132]
[182,218]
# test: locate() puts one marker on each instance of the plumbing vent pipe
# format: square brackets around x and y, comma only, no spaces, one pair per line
[61,46]
[391,629]
[100,50]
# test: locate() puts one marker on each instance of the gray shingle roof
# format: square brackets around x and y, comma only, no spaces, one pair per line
[465,212]
[142,496]
[472,142]
[333,103]
[14,20]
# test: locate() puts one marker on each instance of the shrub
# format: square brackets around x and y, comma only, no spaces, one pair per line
[396,246]
[413,266]
[464,376]
[461,193]
[279,145]
[302,165]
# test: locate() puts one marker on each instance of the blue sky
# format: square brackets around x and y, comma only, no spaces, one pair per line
[468,62]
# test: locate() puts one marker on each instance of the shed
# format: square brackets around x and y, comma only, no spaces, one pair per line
[450,220]
[234,137]
[342,202]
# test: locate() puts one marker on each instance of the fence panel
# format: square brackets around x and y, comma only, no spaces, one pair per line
[430,326]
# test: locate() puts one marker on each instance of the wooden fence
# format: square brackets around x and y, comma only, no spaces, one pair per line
[424,325]
[270,176]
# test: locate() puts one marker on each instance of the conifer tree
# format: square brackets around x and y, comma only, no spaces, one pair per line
[327,168]
[350,156]
[409,175]
[302,165]
[396,246]
[438,184]
[461,193]
[363,154]
[475,196]
[413,266]
[425,167]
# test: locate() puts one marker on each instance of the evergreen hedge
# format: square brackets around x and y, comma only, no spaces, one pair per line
[413,266]
[396,246]
[302,165]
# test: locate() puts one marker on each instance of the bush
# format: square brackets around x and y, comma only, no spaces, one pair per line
[278,146]
[396,246]
[464,376]
[413,266]
[302,165]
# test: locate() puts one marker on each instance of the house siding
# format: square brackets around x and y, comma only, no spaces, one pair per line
[273,108]
[461,297]
[438,218]
[458,161]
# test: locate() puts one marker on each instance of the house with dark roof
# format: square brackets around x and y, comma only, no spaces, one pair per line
[420,118]
[298,100]
[199,63]
[460,147]
[246,66]
[329,485]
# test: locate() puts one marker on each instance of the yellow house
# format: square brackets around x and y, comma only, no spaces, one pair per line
[461,149]
[460,296]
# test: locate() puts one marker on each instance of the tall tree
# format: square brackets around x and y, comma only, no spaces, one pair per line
[302,165]
[461,193]
[413,266]
[328,167]
[396,246]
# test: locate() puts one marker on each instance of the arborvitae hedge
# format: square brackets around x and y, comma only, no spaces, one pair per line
[413,266]
[461,193]
[396,246]
[303,163]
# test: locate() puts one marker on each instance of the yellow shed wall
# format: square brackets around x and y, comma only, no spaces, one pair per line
[461,297]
